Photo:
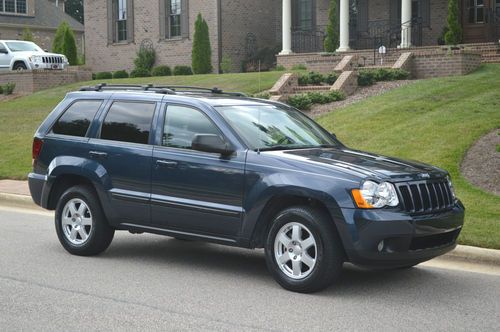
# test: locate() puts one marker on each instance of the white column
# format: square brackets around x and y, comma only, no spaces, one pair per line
[344,26]
[405,23]
[287,28]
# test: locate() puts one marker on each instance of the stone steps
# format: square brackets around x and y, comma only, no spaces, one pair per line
[312,88]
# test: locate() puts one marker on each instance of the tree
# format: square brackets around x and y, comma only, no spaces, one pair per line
[65,43]
[57,44]
[454,34]
[332,33]
[74,8]
[27,35]
[202,51]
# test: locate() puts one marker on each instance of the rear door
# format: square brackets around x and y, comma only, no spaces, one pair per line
[193,191]
[123,149]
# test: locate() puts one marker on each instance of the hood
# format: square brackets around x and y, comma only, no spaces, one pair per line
[30,53]
[363,164]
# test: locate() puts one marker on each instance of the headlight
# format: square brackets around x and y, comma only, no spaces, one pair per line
[448,178]
[35,58]
[65,59]
[375,195]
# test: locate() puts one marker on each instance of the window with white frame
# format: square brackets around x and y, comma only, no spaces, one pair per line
[174,17]
[121,20]
[13,6]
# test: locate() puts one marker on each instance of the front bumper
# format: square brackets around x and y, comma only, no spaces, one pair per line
[48,66]
[385,238]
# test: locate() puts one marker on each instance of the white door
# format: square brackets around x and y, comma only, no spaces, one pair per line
[4,57]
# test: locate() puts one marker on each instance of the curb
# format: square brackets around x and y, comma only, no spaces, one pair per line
[461,253]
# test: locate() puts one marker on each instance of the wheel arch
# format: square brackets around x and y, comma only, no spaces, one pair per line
[16,61]
[62,183]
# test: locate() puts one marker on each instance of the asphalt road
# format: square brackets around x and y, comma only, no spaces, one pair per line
[150,282]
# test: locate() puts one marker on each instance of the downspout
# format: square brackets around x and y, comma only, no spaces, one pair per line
[219,35]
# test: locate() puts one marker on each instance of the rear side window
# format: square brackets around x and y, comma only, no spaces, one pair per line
[128,122]
[77,118]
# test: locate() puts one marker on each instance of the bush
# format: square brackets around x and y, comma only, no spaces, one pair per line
[140,72]
[315,78]
[299,67]
[331,42]
[1,90]
[303,80]
[120,74]
[279,68]
[103,75]
[65,43]
[263,60]
[399,74]
[161,71]
[145,60]
[318,98]
[370,76]
[182,70]
[94,76]
[226,64]
[202,51]
[262,95]
[331,78]
[301,102]
[9,88]
[454,34]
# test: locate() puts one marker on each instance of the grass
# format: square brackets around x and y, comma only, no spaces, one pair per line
[19,118]
[434,121]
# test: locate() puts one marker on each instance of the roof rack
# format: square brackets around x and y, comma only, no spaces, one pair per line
[164,89]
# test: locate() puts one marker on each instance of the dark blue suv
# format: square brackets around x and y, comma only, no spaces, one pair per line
[202,164]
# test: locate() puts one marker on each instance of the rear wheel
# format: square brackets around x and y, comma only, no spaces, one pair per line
[303,251]
[80,223]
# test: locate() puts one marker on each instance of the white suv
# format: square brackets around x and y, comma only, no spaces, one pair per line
[22,55]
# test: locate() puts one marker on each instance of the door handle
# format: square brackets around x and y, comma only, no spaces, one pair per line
[98,155]
[166,163]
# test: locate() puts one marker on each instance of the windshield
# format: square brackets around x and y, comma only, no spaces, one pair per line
[268,127]
[19,46]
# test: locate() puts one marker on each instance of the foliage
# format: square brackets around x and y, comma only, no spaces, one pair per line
[440,40]
[305,101]
[74,8]
[27,35]
[140,72]
[299,66]
[202,50]
[301,102]
[1,90]
[144,60]
[9,88]
[226,64]
[103,75]
[314,78]
[182,71]
[262,95]
[331,42]
[368,77]
[498,148]
[263,60]
[331,78]
[65,43]
[279,68]
[454,34]
[120,74]
[57,44]
[161,71]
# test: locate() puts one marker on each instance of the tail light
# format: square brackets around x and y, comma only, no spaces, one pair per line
[37,148]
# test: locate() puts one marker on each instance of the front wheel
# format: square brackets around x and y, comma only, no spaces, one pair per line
[20,66]
[303,250]
[80,223]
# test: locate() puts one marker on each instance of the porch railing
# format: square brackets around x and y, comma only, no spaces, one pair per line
[308,41]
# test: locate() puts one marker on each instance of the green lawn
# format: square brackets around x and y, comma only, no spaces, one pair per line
[20,118]
[434,121]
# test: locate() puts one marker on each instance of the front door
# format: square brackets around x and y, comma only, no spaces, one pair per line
[192,191]
[4,57]
[477,20]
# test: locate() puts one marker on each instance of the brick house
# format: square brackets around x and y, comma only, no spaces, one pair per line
[116,29]
[42,17]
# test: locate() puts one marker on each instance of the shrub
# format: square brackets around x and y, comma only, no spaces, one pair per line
[318,98]
[9,88]
[366,78]
[65,43]
[264,59]
[226,64]
[161,71]
[120,74]
[399,74]
[103,75]
[94,76]
[331,42]
[299,67]
[301,102]
[27,35]
[279,68]
[454,34]
[303,80]
[331,78]
[140,72]
[1,89]
[335,96]
[145,60]
[57,44]
[370,76]
[262,95]
[202,51]
[182,70]
[315,78]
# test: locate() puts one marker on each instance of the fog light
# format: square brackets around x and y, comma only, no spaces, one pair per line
[380,246]
[37,66]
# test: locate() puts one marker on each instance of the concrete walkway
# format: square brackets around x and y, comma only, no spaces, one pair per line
[14,187]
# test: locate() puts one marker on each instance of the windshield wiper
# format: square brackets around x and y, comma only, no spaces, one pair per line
[294,147]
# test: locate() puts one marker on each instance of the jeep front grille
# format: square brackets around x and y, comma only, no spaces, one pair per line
[425,196]
[52,59]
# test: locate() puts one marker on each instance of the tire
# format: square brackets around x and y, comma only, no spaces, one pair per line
[80,223]
[320,263]
[20,66]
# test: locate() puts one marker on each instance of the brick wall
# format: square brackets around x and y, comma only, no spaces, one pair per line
[452,63]
[313,61]
[103,57]
[28,82]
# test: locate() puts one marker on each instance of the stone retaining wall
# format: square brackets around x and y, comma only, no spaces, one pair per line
[439,64]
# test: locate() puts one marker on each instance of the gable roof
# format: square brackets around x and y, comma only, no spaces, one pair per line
[47,15]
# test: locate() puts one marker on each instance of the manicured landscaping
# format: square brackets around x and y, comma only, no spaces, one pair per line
[434,121]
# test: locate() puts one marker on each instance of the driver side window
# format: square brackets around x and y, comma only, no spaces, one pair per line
[182,124]
[3,49]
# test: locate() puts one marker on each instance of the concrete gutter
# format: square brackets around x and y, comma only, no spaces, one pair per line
[461,253]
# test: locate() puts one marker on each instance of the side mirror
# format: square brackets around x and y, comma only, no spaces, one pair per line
[4,51]
[211,143]
[333,135]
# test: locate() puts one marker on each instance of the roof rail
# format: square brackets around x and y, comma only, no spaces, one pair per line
[165,89]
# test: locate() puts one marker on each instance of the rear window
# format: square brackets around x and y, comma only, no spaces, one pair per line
[77,118]
[128,122]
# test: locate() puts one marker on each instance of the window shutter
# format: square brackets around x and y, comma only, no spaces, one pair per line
[362,23]
[425,12]
[163,19]
[184,19]
[395,13]
[111,21]
[130,21]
